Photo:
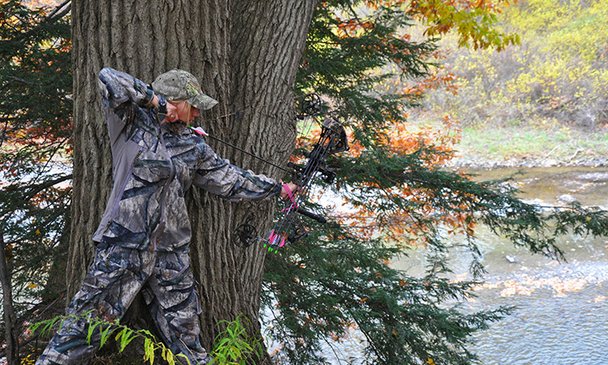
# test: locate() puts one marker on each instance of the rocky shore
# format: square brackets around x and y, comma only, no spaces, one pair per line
[479,162]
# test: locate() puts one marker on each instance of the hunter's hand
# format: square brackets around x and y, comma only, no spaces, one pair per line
[172,114]
[288,190]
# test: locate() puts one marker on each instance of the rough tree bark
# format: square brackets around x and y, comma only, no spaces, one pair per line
[10,319]
[246,54]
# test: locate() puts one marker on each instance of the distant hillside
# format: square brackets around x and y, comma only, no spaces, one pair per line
[558,75]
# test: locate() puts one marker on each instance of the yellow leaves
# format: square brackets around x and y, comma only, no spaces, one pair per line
[32,285]
[28,360]
[473,20]
[430,361]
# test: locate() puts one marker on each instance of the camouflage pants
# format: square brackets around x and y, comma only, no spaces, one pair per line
[129,260]
[114,279]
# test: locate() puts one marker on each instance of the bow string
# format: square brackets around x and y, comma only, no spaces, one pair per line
[288,226]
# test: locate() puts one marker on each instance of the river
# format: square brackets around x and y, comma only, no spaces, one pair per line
[562,307]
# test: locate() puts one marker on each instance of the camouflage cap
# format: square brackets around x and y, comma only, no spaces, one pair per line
[182,85]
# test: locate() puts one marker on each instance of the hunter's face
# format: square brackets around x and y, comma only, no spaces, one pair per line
[186,112]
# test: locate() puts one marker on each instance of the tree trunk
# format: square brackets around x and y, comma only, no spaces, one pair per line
[246,55]
[10,319]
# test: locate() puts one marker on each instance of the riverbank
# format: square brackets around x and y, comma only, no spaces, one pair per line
[525,147]
[560,306]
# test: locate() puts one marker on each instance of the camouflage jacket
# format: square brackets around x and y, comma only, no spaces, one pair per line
[135,130]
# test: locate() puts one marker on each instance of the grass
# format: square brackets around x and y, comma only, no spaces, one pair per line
[563,145]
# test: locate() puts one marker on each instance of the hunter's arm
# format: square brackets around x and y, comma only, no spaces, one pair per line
[220,177]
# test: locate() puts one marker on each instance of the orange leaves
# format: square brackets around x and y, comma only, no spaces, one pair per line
[459,223]
[405,139]
[409,221]
[353,27]
[372,4]
[436,81]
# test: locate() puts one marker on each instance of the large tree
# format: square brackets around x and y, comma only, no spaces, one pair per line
[246,55]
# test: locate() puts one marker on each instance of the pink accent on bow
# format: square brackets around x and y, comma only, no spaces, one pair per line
[274,239]
[291,197]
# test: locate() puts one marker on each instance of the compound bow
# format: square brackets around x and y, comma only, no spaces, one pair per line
[288,227]
[332,140]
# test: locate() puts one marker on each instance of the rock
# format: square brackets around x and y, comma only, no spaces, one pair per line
[567,198]
[594,176]
[551,162]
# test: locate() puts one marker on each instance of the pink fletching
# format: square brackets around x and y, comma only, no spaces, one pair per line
[200,131]
[272,237]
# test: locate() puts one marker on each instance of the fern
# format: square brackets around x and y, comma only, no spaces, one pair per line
[124,336]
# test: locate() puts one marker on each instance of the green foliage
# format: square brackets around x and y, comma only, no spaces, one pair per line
[233,345]
[339,66]
[100,331]
[35,79]
[340,284]
[337,280]
[558,73]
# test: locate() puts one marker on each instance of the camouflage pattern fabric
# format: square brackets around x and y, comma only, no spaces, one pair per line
[145,245]
[182,85]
